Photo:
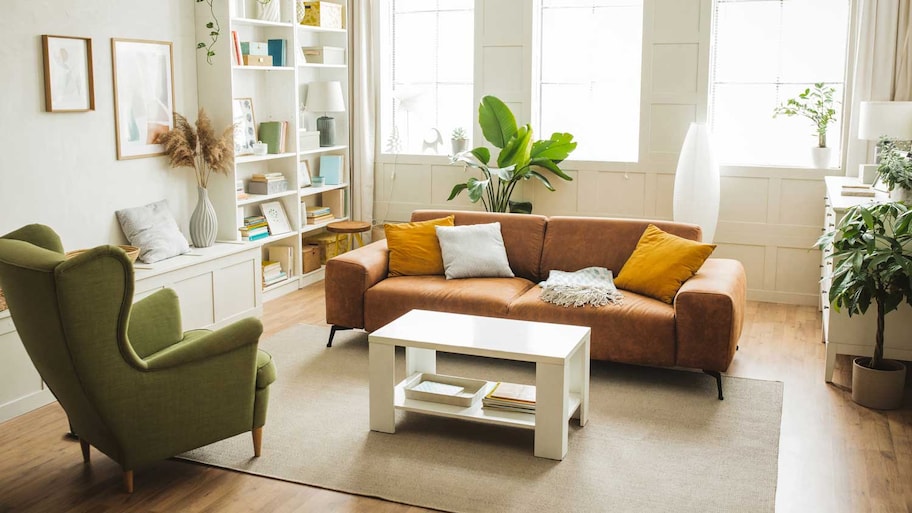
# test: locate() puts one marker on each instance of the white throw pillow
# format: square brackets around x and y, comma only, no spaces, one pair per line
[473,251]
[154,231]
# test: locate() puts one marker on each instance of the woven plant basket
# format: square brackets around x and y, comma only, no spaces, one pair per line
[132,252]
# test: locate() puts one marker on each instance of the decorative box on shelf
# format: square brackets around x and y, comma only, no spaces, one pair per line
[323,54]
[330,245]
[310,140]
[310,257]
[444,389]
[323,14]
[258,60]
[270,187]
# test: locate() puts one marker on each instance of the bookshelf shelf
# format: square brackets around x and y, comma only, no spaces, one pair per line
[312,228]
[263,68]
[319,65]
[279,284]
[252,22]
[246,159]
[259,198]
[311,28]
[323,149]
[313,191]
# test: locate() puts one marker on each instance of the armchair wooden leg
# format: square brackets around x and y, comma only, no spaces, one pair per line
[85,450]
[128,481]
[257,441]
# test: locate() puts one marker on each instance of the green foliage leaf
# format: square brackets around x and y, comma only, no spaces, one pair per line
[544,180]
[458,188]
[477,188]
[497,121]
[520,207]
[555,149]
[482,154]
[516,151]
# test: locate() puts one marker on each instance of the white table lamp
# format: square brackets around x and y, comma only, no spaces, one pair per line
[325,97]
[877,119]
[696,186]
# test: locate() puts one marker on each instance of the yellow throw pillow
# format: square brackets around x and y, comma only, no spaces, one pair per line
[413,247]
[661,263]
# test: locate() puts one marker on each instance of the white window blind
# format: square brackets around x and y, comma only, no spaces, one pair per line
[590,53]
[427,49]
[765,52]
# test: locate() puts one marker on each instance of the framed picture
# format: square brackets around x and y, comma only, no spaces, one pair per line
[276,217]
[304,174]
[143,95]
[244,126]
[69,85]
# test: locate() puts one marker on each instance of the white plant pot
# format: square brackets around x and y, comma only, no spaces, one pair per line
[900,194]
[878,389]
[459,145]
[822,157]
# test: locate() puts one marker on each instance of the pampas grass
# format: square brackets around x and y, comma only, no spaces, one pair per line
[199,147]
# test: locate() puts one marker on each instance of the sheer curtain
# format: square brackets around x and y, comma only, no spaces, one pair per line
[364,100]
[883,70]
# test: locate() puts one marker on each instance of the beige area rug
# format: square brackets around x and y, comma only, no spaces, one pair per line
[657,439]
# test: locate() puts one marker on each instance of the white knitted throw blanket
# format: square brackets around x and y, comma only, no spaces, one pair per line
[590,286]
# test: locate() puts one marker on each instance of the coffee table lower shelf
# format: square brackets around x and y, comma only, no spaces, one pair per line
[476,412]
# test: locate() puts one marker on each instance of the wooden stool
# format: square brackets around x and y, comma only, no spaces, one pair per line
[348,228]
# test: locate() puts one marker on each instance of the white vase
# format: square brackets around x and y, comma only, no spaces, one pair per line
[268,10]
[696,187]
[821,157]
[203,222]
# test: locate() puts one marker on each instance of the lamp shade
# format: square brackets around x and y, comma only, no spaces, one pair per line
[696,187]
[890,119]
[324,97]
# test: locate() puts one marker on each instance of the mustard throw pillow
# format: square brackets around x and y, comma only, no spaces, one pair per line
[661,263]
[413,247]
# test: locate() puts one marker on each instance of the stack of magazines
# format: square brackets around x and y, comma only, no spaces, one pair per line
[511,397]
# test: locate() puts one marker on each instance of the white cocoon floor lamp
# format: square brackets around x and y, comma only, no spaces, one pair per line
[325,97]
[696,188]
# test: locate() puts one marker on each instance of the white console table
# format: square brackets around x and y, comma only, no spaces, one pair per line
[855,335]
[216,285]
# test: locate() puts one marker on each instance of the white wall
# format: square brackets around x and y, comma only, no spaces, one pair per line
[61,169]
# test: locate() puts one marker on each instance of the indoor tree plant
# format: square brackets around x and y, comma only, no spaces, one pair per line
[817,105]
[201,149]
[872,251]
[520,158]
[895,170]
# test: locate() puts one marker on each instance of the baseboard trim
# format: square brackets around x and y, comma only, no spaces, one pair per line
[788,298]
[26,404]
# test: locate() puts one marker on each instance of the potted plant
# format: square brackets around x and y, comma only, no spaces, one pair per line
[458,140]
[520,158]
[817,105]
[872,251]
[895,170]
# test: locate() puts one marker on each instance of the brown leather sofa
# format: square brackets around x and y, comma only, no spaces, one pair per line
[699,330]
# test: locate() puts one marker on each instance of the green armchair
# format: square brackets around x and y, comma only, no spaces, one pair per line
[133,384]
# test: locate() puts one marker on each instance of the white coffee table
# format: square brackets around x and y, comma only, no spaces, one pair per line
[560,353]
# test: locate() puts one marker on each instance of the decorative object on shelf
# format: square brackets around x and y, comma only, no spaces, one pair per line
[817,105]
[273,133]
[323,14]
[257,60]
[276,217]
[214,31]
[304,174]
[325,97]
[309,140]
[323,55]
[696,186]
[207,153]
[872,252]
[268,10]
[244,126]
[878,120]
[143,96]
[317,181]
[331,169]
[895,171]
[458,141]
[260,148]
[69,84]
[300,11]
[520,158]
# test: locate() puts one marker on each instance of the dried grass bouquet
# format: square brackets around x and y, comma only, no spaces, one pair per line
[199,147]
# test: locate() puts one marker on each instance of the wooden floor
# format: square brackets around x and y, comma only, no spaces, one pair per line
[834,456]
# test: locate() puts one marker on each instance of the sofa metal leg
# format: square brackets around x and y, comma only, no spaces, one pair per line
[718,376]
[332,333]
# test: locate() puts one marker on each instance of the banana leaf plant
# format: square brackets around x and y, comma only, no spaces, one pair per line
[872,251]
[520,158]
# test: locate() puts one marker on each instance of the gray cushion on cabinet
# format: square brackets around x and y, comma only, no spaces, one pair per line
[473,251]
[154,231]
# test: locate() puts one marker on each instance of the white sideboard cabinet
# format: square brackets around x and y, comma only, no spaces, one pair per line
[216,286]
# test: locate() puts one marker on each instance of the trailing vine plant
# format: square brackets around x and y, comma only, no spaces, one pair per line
[214,30]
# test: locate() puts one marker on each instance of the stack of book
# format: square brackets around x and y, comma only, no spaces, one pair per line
[239,190]
[319,215]
[511,397]
[267,183]
[272,273]
[254,228]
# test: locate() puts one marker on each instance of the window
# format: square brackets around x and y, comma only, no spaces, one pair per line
[427,49]
[590,53]
[765,52]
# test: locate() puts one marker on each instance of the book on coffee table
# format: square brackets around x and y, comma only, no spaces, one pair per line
[511,397]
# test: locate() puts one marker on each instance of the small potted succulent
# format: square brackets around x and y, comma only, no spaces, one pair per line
[458,140]
[817,105]
[895,171]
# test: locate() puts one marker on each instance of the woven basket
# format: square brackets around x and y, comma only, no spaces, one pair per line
[132,252]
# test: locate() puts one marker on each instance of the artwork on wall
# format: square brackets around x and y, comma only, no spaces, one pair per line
[143,95]
[276,218]
[68,74]
[244,126]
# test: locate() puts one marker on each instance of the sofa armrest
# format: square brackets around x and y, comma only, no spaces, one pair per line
[348,276]
[709,313]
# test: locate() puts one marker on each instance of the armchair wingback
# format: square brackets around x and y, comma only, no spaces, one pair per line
[133,384]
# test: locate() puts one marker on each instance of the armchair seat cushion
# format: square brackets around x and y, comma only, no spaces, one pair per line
[266,370]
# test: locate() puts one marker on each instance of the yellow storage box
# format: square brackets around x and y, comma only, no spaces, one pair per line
[330,245]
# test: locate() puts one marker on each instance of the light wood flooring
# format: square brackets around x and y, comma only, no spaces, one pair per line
[834,456]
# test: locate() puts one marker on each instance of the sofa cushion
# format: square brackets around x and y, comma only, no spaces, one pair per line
[661,263]
[640,330]
[523,235]
[574,243]
[413,247]
[393,297]
[473,251]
